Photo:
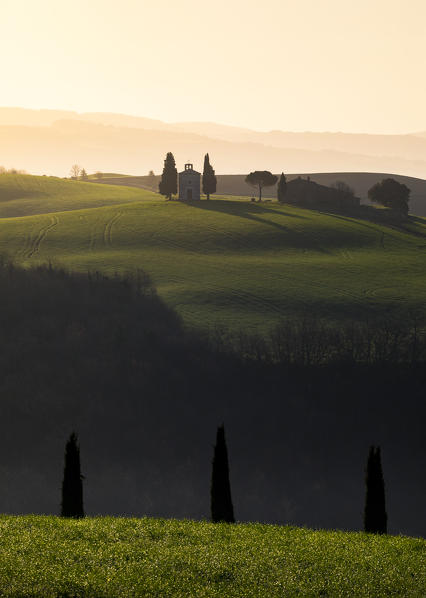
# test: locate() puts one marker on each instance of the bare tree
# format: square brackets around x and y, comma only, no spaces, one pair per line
[343,187]
[4,170]
[152,180]
[75,171]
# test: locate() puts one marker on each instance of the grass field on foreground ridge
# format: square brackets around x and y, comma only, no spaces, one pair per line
[226,261]
[112,557]
[24,195]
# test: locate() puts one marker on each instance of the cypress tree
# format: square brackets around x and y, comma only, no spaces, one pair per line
[282,188]
[168,183]
[375,516]
[220,491]
[72,485]
[209,178]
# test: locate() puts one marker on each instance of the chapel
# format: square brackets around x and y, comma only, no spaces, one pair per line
[189,184]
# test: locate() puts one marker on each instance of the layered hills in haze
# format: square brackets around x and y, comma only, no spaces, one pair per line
[49,141]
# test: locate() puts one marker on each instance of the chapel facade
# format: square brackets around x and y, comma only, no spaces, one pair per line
[189,184]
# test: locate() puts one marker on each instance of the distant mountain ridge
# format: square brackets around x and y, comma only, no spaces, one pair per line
[49,141]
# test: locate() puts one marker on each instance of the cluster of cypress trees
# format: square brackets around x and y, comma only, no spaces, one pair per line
[169,179]
[222,509]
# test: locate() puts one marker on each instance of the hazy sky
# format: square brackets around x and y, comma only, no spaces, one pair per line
[350,65]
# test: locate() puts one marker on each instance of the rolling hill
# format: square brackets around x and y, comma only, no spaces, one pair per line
[22,195]
[49,557]
[228,262]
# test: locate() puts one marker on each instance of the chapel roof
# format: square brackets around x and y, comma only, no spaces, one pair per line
[189,169]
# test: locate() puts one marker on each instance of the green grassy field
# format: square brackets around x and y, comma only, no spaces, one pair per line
[243,265]
[112,557]
[23,195]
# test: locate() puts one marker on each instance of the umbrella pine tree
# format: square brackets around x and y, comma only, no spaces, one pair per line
[261,179]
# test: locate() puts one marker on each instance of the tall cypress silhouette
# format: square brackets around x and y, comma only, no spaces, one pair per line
[209,178]
[375,516]
[282,188]
[220,492]
[168,183]
[72,485]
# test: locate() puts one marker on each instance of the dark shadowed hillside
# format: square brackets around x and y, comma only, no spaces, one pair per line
[107,358]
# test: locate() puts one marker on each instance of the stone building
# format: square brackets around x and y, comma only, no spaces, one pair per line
[308,194]
[189,184]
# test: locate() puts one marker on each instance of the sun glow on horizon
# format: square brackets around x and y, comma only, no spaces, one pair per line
[329,66]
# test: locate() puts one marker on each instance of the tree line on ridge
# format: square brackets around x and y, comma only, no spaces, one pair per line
[388,192]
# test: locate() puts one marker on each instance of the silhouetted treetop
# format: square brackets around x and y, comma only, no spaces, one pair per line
[375,516]
[75,171]
[209,178]
[72,484]
[261,179]
[391,194]
[282,188]
[343,188]
[220,491]
[168,183]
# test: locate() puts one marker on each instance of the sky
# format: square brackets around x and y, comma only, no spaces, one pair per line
[296,65]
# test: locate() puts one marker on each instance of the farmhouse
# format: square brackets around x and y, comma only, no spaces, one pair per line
[308,194]
[189,184]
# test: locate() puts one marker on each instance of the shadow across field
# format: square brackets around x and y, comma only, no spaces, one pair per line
[103,355]
[279,220]
[249,210]
[10,193]
[253,211]
[384,217]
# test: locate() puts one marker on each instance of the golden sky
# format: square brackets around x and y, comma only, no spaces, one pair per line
[336,65]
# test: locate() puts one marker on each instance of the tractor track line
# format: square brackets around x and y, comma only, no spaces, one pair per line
[108,228]
[35,245]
